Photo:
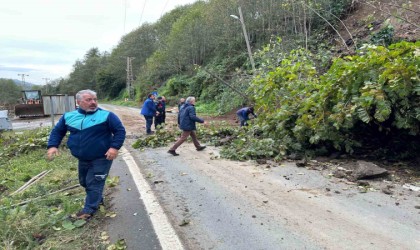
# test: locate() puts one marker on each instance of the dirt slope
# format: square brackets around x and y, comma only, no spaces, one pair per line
[368,17]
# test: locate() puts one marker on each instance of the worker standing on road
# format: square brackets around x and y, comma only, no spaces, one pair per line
[96,135]
[149,111]
[160,116]
[243,115]
[187,120]
[164,109]
[180,104]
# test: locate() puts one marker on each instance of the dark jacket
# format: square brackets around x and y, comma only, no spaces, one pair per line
[149,108]
[91,133]
[244,113]
[160,107]
[188,118]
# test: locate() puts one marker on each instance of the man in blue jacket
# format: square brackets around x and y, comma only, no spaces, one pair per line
[243,115]
[149,111]
[187,120]
[95,137]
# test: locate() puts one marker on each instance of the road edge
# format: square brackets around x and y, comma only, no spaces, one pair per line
[163,228]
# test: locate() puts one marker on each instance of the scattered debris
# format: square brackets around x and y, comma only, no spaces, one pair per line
[387,191]
[32,181]
[301,163]
[261,161]
[363,183]
[184,222]
[339,174]
[40,197]
[366,170]
[411,187]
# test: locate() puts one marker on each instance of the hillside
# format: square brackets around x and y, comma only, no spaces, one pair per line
[368,18]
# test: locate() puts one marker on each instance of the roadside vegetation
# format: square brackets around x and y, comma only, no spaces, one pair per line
[35,212]
[366,103]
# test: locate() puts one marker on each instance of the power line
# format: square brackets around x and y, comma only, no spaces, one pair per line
[142,11]
[125,15]
[164,7]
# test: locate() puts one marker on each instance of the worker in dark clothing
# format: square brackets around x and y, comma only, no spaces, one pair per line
[180,106]
[160,108]
[164,109]
[243,115]
[187,121]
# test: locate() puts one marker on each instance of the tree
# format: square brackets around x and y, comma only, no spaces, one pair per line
[10,92]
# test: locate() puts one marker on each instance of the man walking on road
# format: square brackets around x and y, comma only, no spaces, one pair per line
[96,135]
[149,111]
[187,120]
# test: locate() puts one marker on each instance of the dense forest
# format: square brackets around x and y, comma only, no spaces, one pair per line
[324,75]
[175,54]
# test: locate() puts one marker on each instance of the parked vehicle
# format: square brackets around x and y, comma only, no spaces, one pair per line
[31,104]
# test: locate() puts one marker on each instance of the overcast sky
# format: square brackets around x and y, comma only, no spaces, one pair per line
[44,38]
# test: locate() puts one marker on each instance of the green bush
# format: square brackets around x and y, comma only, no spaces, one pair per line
[377,88]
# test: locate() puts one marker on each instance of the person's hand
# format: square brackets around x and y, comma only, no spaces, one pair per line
[111,154]
[52,152]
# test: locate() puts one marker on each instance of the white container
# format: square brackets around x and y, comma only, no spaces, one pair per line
[3,113]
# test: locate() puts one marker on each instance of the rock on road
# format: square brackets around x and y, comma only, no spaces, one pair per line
[219,204]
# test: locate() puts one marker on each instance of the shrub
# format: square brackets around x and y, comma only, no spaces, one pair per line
[377,88]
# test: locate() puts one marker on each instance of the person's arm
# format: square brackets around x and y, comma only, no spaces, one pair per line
[56,136]
[193,115]
[118,131]
[152,106]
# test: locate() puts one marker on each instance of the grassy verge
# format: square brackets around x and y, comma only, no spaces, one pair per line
[38,217]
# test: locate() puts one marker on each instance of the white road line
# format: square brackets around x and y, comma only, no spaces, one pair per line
[164,230]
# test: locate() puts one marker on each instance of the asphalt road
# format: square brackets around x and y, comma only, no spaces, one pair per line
[217,204]
[198,201]
[224,205]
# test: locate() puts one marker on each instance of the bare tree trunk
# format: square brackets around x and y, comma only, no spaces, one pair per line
[304,27]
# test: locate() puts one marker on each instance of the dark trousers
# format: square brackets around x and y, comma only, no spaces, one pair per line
[92,176]
[149,122]
[184,137]
[159,120]
[242,121]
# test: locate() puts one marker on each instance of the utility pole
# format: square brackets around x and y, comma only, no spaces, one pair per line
[241,20]
[23,80]
[130,77]
[46,84]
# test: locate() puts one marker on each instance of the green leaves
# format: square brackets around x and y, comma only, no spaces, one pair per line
[68,225]
[378,87]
